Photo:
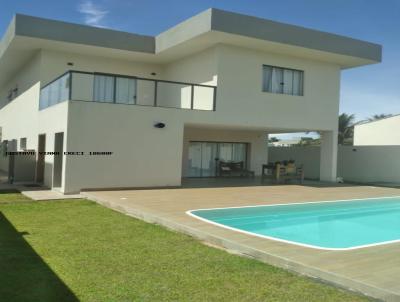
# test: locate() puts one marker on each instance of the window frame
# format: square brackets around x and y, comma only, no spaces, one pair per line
[302,72]
[23,141]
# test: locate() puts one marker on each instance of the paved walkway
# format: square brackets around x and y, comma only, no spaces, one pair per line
[45,194]
[374,271]
[37,192]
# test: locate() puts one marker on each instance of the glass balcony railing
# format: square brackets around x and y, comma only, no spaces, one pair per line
[109,88]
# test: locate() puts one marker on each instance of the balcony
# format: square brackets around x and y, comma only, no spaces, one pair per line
[127,90]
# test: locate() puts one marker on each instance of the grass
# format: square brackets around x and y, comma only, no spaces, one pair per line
[79,251]
[8,196]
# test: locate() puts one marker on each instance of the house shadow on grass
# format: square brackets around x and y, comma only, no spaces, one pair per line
[24,276]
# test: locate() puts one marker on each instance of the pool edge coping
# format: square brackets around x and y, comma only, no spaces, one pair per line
[190,213]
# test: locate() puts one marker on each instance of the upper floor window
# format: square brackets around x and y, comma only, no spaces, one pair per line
[22,143]
[282,80]
[109,89]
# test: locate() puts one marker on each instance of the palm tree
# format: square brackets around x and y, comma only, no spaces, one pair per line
[345,129]
[376,117]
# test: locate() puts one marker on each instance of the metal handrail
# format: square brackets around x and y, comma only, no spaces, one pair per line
[156,81]
[126,76]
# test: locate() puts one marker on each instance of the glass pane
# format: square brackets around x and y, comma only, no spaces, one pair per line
[277,80]
[54,93]
[225,152]
[239,153]
[232,152]
[267,78]
[194,157]
[103,88]
[288,81]
[64,88]
[173,95]
[208,159]
[82,87]
[298,82]
[145,92]
[44,98]
[126,91]
[203,98]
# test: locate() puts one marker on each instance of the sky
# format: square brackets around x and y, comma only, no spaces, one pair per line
[365,91]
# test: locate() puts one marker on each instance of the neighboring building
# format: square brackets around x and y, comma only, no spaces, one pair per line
[168,106]
[381,132]
[285,142]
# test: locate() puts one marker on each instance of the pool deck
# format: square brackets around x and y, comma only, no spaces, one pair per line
[374,271]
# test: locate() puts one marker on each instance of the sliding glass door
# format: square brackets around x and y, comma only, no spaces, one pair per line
[204,157]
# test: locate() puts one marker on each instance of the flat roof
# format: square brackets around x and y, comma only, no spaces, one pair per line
[27,34]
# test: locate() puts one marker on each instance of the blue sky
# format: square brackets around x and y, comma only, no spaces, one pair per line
[364,91]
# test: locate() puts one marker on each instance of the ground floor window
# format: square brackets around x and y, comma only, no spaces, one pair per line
[203,157]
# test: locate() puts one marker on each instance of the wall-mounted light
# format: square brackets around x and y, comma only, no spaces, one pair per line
[159,125]
[153,74]
[70,64]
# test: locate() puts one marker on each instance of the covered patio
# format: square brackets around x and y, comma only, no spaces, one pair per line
[208,151]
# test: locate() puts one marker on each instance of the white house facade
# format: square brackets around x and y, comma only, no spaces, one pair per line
[125,110]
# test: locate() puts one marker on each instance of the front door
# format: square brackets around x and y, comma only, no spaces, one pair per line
[40,158]
[204,156]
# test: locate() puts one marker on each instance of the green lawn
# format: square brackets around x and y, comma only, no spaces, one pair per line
[7,196]
[77,250]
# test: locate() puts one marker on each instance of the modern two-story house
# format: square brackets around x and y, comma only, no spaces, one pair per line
[127,110]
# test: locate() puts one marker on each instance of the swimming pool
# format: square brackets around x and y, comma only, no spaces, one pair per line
[330,225]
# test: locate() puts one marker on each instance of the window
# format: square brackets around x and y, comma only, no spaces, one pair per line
[22,143]
[110,89]
[104,88]
[125,91]
[282,80]
[55,92]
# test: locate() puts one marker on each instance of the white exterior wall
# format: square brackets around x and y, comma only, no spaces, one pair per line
[143,156]
[25,79]
[308,156]
[240,94]
[21,118]
[370,163]
[53,120]
[383,132]
[200,68]
[366,164]
[55,64]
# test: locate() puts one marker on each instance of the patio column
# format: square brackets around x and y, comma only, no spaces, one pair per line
[328,158]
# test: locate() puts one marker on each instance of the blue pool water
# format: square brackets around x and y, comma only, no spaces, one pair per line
[328,225]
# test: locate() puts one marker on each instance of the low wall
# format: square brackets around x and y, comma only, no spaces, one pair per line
[309,157]
[355,163]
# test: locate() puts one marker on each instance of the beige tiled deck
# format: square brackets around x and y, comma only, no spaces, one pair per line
[374,271]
